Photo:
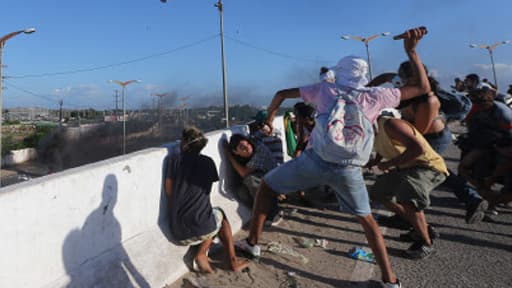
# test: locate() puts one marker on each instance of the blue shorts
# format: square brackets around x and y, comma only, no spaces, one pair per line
[441,140]
[309,170]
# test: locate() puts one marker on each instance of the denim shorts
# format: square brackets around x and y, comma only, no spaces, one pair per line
[441,140]
[309,170]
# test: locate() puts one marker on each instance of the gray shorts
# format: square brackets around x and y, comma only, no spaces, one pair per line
[407,185]
[309,170]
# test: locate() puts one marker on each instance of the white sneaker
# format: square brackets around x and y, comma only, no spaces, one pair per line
[273,222]
[244,246]
[392,285]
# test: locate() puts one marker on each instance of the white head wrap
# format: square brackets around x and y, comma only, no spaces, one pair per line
[351,71]
[328,76]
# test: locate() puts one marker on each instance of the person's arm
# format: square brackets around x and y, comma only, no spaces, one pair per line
[302,139]
[400,131]
[242,170]
[276,103]
[381,79]
[168,182]
[411,40]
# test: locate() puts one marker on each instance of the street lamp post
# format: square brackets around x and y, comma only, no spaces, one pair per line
[366,41]
[3,40]
[123,85]
[491,48]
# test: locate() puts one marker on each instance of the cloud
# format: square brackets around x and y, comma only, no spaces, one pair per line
[435,73]
[498,66]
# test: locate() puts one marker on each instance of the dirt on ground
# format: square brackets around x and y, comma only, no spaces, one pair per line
[308,248]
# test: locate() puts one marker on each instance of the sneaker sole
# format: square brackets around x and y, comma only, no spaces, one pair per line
[479,213]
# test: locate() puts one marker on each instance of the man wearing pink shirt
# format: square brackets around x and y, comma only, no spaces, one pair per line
[314,168]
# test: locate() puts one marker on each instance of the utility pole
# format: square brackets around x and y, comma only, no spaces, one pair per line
[160,110]
[116,103]
[220,7]
[60,112]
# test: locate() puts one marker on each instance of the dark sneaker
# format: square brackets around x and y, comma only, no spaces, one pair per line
[394,221]
[419,250]
[476,212]
[391,285]
[413,236]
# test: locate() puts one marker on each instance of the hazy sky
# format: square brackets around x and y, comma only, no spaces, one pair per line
[270,45]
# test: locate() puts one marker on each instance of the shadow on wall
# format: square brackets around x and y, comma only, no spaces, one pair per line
[163,215]
[93,256]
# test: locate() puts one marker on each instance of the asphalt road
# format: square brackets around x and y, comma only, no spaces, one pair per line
[467,255]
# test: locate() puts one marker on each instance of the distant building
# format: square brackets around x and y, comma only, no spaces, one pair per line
[26,114]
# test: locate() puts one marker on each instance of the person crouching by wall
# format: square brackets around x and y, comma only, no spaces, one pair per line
[193,221]
[251,160]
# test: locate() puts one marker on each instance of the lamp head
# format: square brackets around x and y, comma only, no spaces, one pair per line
[345,37]
[505,42]
[473,45]
[29,30]
[385,33]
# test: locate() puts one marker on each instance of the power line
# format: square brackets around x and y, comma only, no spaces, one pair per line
[282,55]
[9,83]
[82,70]
[49,99]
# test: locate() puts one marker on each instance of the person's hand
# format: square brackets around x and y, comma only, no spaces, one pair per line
[266,129]
[384,166]
[412,37]
[268,124]
[371,163]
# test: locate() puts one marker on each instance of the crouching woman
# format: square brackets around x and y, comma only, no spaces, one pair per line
[193,221]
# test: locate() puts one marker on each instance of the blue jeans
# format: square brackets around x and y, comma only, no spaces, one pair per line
[309,170]
[457,184]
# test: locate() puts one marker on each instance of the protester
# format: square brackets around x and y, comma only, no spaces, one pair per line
[413,169]
[304,114]
[345,176]
[488,144]
[193,221]
[251,160]
[424,113]
[472,81]
[459,85]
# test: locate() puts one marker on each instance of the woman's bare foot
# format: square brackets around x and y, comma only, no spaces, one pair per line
[239,264]
[203,264]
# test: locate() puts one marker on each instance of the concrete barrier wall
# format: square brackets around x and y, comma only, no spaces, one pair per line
[103,224]
[19,156]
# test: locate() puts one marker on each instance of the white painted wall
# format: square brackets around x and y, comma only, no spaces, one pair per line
[19,156]
[103,224]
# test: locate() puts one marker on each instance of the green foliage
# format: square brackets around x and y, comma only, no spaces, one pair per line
[8,144]
[9,141]
[41,131]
